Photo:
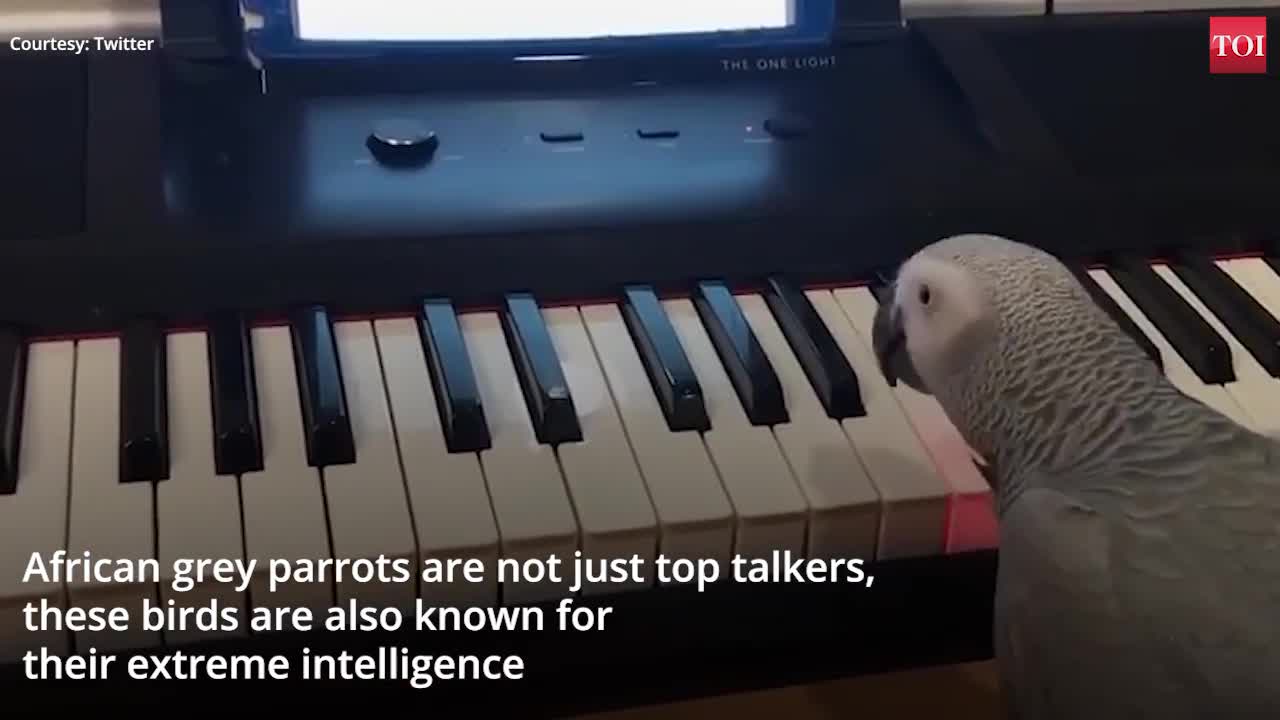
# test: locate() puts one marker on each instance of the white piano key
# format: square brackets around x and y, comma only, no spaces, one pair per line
[283,504]
[197,510]
[772,513]
[615,512]
[107,519]
[447,493]
[1253,390]
[535,518]
[33,520]
[845,508]
[1069,7]
[971,516]
[1175,368]
[368,507]
[918,9]
[697,520]
[914,494]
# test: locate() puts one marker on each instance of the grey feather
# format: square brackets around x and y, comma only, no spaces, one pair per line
[1140,529]
[1144,595]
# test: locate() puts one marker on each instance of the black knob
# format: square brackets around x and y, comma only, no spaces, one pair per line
[401,142]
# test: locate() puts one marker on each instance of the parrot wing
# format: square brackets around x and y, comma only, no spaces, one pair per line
[1156,605]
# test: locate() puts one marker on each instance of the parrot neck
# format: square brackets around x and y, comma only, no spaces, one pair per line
[1089,400]
[1080,436]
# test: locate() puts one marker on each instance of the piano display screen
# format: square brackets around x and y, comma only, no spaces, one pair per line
[532,20]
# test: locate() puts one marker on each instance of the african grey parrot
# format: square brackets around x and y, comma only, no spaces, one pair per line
[1139,528]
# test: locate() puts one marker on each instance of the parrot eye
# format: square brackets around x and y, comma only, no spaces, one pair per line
[925,295]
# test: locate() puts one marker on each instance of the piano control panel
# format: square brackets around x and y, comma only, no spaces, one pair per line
[403,140]
[323,167]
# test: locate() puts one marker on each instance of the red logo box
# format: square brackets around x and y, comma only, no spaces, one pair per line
[1238,45]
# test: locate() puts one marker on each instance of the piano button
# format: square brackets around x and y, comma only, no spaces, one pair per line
[198,508]
[771,512]
[658,133]
[688,496]
[34,516]
[1175,368]
[447,495]
[144,428]
[13,373]
[665,360]
[1188,333]
[561,136]
[368,513]
[324,404]
[107,518]
[788,127]
[547,394]
[819,354]
[535,517]
[756,383]
[608,492]
[1125,322]
[464,425]
[402,142]
[971,519]
[1246,319]
[284,511]
[844,505]
[1253,389]
[237,445]
[914,494]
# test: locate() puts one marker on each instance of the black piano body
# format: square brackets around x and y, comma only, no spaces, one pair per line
[177,183]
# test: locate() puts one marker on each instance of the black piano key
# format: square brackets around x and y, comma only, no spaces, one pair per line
[461,413]
[555,419]
[744,359]
[326,422]
[1273,259]
[1126,323]
[13,382]
[237,440]
[1187,332]
[1246,319]
[677,387]
[821,357]
[144,418]
[880,283]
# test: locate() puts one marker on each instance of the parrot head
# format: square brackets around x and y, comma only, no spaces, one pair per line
[939,315]
[1003,335]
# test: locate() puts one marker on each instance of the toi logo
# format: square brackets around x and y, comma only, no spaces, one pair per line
[1238,45]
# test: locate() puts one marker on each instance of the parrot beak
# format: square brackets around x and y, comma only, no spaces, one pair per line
[889,341]
[887,337]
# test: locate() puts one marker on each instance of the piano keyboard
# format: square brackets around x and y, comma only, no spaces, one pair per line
[702,427]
